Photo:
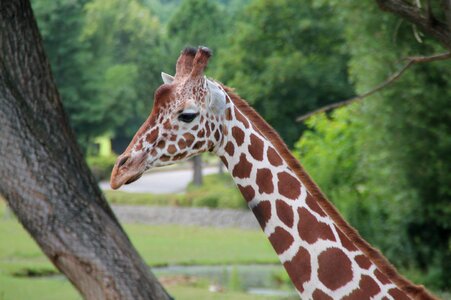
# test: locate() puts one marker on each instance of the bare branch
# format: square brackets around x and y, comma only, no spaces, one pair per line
[395,76]
[415,15]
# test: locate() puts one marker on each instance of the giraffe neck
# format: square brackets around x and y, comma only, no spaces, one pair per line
[322,262]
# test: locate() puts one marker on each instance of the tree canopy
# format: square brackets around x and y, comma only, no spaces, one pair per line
[286,57]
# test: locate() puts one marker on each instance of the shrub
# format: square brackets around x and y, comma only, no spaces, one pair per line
[218,191]
[101,166]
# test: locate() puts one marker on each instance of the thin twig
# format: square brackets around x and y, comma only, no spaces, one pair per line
[395,76]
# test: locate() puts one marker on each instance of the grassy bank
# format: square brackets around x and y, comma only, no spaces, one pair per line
[12,288]
[159,245]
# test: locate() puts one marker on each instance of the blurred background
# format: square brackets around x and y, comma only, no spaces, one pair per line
[383,161]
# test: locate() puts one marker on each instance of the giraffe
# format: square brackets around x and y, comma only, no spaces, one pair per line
[323,255]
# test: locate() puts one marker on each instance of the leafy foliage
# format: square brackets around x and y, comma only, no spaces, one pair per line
[60,23]
[106,60]
[125,40]
[287,58]
[397,144]
[195,23]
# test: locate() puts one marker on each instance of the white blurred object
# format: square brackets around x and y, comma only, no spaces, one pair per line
[215,288]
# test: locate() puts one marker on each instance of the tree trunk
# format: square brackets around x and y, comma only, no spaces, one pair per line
[197,170]
[220,167]
[45,180]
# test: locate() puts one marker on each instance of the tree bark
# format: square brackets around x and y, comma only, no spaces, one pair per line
[45,180]
[197,170]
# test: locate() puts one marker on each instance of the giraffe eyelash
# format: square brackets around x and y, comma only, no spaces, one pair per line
[187,117]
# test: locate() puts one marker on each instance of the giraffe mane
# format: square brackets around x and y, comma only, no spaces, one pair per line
[415,291]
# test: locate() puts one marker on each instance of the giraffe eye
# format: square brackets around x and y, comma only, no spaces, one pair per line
[187,117]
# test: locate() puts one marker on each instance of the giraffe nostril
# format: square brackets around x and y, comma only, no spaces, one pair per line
[123,161]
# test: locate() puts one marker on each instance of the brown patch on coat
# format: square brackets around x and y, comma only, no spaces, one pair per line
[152,136]
[320,295]
[264,181]
[182,143]
[243,168]
[228,114]
[299,268]
[167,125]
[288,185]
[238,135]
[229,148]
[198,145]
[189,138]
[313,205]
[284,212]
[262,213]
[217,135]
[310,229]
[247,192]
[334,268]
[201,133]
[363,262]
[345,241]
[281,240]
[368,288]
[161,144]
[273,157]
[180,156]
[255,148]
[172,149]
[165,158]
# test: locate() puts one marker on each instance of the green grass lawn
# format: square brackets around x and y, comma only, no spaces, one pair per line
[159,245]
[12,288]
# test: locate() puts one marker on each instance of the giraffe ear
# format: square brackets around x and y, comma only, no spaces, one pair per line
[217,98]
[167,78]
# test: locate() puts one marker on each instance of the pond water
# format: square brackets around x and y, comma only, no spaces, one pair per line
[270,280]
[254,279]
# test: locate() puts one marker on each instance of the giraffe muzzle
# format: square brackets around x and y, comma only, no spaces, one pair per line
[128,169]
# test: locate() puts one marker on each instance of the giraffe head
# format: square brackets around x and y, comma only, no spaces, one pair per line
[186,120]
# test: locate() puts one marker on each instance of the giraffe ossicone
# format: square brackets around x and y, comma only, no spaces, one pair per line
[324,257]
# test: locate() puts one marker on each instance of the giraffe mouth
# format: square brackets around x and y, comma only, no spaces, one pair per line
[127,170]
[133,178]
